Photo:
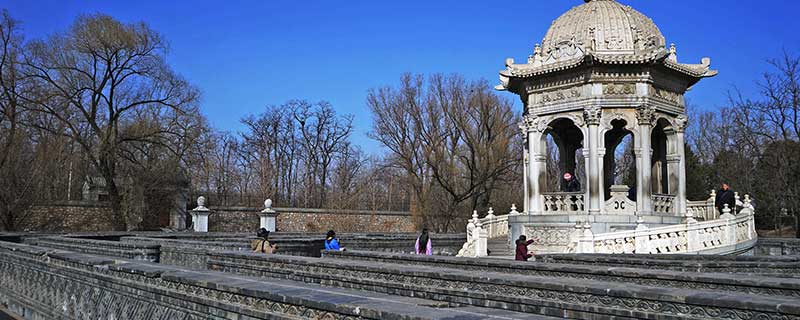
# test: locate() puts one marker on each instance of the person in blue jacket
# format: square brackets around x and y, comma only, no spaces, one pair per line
[331,242]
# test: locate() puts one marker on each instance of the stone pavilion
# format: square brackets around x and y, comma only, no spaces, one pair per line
[603,72]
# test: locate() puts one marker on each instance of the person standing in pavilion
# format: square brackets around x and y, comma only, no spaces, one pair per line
[571,184]
[725,196]
[423,244]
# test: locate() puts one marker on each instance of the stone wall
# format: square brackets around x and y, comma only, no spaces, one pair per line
[40,284]
[86,216]
[242,219]
[70,216]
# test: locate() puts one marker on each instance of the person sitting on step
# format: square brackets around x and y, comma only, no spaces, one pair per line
[331,242]
[262,245]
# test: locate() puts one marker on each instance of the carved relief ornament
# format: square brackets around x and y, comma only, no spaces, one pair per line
[614,89]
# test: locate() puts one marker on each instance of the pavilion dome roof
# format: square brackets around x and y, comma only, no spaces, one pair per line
[603,28]
[606,32]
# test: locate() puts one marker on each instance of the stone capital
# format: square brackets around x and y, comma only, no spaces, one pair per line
[681,122]
[592,115]
[645,114]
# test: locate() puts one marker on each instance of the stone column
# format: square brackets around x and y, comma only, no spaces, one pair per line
[592,118]
[680,197]
[536,166]
[601,184]
[200,215]
[268,217]
[644,115]
[525,161]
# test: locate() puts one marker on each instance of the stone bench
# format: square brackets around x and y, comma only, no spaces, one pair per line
[40,283]
[128,250]
[653,277]
[566,297]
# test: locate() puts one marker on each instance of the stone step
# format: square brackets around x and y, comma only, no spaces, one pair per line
[721,282]
[567,297]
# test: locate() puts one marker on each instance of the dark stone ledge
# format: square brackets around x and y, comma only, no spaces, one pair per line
[699,280]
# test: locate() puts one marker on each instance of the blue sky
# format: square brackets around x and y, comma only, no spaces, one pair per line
[245,55]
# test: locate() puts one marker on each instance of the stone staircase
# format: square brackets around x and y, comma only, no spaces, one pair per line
[500,248]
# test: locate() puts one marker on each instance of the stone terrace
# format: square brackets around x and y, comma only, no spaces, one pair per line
[214,276]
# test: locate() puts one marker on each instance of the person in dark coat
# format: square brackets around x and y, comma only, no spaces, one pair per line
[571,184]
[725,196]
[522,249]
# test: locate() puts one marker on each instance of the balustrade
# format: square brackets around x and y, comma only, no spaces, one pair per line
[703,209]
[663,203]
[724,233]
[563,202]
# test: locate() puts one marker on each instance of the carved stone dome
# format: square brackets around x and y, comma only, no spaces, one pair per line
[604,28]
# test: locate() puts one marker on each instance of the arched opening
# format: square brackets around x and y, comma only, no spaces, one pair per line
[661,143]
[563,141]
[619,162]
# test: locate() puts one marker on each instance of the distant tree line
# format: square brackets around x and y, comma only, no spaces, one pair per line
[99,100]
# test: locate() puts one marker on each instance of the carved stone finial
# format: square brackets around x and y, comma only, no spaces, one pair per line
[475,217]
[747,201]
[201,202]
[268,204]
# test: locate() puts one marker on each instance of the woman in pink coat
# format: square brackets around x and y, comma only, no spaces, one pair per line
[423,245]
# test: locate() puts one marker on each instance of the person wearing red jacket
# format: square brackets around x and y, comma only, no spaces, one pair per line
[522,249]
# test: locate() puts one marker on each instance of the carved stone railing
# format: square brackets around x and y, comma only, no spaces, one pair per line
[663,203]
[703,209]
[563,202]
[479,231]
[727,234]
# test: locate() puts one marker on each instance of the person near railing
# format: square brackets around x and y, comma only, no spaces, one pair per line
[571,183]
[522,249]
[423,245]
[725,196]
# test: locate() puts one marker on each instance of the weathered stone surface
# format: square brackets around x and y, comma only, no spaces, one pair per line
[583,298]
[242,219]
[752,284]
[48,284]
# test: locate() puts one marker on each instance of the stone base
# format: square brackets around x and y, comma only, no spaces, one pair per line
[553,232]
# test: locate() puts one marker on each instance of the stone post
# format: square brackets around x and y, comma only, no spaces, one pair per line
[641,238]
[729,230]
[644,185]
[592,116]
[586,241]
[490,228]
[200,215]
[268,218]
[480,237]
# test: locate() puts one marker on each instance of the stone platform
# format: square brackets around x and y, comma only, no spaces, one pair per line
[212,276]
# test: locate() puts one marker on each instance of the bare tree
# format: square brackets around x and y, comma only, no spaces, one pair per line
[455,140]
[95,77]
